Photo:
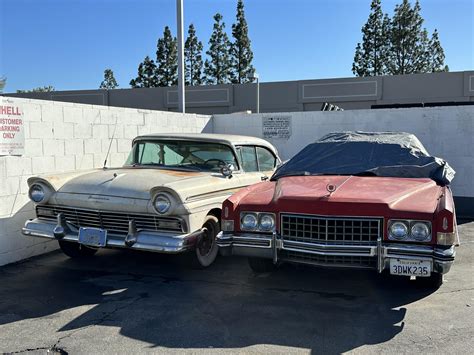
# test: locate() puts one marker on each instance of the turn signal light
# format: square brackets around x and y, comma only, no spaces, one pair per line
[227,225]
[446,238]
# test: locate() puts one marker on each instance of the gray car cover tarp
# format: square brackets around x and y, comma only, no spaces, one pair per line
[390,154]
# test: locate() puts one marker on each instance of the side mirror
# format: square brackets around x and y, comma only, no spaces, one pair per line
[227,170]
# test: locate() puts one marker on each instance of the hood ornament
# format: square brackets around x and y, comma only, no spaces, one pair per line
[331,188]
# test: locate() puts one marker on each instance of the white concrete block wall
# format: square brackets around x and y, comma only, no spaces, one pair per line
[447,132]
[62,137]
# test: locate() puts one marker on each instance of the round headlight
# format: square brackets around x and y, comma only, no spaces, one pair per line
[37,193]
[249,221]
[162,204]
[267,222]
[398,230]
[420,231]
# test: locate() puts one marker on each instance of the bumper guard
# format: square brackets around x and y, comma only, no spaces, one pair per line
[161,242]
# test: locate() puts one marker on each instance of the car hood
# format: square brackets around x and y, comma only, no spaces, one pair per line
[129,183]
[353,195]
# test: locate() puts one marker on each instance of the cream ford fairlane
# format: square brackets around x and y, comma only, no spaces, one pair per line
[166,198]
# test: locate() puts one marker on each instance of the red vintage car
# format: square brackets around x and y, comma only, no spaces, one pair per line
[351,199]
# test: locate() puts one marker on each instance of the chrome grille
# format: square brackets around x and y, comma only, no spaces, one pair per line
[113,222]
[336,230]
[329,260]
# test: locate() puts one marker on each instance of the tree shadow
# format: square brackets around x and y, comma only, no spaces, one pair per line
[159,301]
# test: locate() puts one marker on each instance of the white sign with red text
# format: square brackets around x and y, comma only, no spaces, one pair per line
[12,131]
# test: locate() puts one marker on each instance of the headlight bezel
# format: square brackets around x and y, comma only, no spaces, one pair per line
[163,197]
[35,192]
[258,226]
[410,224]
[46,190]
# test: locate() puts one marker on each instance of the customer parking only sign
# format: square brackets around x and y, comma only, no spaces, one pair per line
[12,132]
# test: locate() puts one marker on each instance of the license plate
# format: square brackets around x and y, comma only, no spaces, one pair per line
[405,267]
[94,237]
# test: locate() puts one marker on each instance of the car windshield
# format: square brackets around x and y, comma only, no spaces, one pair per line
[181,154]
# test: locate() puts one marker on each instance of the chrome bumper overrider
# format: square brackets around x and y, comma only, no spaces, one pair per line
[272,246]
[162,242]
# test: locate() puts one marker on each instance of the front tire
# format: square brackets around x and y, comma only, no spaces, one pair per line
[206,248]
[260,266]
[76,250]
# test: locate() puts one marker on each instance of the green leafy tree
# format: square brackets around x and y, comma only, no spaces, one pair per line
[109,81]
[193,58]
[167,59]
[371,56]
[436,55]
[217,67]
[408,41]
[241,53]
[47,88]
[146,75]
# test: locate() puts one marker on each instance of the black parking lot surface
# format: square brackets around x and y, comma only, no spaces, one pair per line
[124,302]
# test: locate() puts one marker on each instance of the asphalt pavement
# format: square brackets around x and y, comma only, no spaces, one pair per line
[130,302]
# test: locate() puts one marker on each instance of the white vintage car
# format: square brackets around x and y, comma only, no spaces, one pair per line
[166,198]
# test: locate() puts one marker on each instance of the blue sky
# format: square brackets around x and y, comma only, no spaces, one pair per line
[69,43]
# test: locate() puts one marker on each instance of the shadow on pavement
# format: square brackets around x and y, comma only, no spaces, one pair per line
[157,300]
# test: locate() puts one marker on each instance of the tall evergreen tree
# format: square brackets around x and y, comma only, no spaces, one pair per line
[146,75]
[241,53]
[408,40]
[167,59]
[436,55]
[193,58]
[370,56]
[217,68]
[109,81]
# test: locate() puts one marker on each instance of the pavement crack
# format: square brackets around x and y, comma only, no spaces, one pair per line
[49,349]
[458,290]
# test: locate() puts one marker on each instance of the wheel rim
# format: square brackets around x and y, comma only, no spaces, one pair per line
[207,241]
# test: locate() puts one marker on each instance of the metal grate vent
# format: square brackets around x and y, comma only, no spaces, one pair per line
[113,222]
[318,229]
[330,260]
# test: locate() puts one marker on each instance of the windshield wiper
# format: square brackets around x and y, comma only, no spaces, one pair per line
[365,173]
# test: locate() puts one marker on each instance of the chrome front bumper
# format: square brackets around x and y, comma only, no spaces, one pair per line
[161,242]
[272,246]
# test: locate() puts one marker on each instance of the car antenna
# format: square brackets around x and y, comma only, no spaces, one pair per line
[110,144]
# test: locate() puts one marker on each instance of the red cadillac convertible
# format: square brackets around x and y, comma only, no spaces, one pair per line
[351,199]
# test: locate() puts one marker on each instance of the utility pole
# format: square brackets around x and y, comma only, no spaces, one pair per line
[181,92]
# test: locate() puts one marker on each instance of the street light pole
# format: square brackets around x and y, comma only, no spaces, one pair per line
[254,76]
[181,92]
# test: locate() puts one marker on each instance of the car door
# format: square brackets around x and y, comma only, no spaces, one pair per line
[257,163]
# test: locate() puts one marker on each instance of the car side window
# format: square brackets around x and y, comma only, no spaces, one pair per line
[266,159]
[249,158]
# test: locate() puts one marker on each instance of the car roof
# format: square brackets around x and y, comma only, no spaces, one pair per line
[229,139]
